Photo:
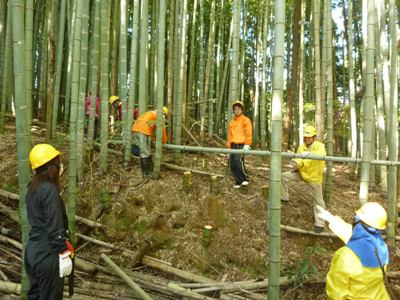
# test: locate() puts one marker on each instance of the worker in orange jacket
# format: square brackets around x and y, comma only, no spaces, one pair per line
[144,130]
[240,134]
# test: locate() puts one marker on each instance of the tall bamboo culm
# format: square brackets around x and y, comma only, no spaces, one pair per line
[274,211]
[72,166]
[7,71]
[104,87]
[160,83]
[329,100]
[59,60]
[22,126]
[393,127]
[369,102]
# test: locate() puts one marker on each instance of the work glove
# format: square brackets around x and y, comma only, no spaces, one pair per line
[246,147]
[306,154]
[65,263]
[325,215]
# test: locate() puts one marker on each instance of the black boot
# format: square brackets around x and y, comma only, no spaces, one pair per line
[150,166]
[143,166]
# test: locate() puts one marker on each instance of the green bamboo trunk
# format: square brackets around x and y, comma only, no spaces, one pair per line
[179,99]
[127,115]
[200,66]
[59,61]
[219,58]
[71,28]
[133,71]
[263,101]
[274,212]
[170,64]
[51,53]
[72,166]
[114,87]
[352,93]
[6,76]
[22,126]
[301,75]
[94,73]
[3,10]
[210,56]
[104,86]
[143,69]
[233,81]
[192,58]
[28,56]
[211,104]
[83,74]
[321,134]
[220,100]
[243,50]
[256,106]
[380,30]
[393,128]
[317,68]
[329,102]
[160,83]
[368,107]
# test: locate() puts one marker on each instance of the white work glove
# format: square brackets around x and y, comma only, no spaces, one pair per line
[246,147]
[306,154]
[325,215]
[65,263]
[293,163]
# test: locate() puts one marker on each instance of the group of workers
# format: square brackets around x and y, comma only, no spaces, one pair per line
[357,270]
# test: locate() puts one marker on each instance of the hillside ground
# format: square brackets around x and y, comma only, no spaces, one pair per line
[171,220]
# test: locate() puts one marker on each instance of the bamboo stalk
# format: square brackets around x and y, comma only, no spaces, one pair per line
[179,273]
[125,252]
[10,212]
[179,168]
[138,290]
[16,244]
[88,222]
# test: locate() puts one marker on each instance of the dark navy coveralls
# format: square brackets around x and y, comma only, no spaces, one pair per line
[47,216]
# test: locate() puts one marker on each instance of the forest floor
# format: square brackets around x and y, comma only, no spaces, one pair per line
[171,220]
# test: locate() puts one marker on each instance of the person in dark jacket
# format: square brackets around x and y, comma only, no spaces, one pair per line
[48,252]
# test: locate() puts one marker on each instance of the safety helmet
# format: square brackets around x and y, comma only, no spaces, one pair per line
[309,131]
[373,214]
[237,102]
[165,110]
[42,154]
[113,99]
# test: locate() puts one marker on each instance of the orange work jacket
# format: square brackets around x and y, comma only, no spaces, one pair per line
[147,123]
[240,131]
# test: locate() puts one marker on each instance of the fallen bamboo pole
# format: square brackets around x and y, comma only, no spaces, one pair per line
[125,252]
[323,234]
[177,272]
[137,289]
[88,222]
[9,211]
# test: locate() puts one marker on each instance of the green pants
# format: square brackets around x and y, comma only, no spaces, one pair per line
[143,142]
[315,189]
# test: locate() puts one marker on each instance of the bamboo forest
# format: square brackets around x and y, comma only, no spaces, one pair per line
[199,149]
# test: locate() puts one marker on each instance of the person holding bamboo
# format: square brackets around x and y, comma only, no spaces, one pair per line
[358,269]
[240,135]
[48,251]
[309,172]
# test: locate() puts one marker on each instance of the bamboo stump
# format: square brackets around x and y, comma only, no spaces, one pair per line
[214,185]
[105,198]
[204,164]
[186,181]
[194,163]
[206,239]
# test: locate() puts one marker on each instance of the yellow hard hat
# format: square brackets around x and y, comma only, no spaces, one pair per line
[237,102]
[113,99]
[373,214]
[309,131]
[165,110]
[42,154]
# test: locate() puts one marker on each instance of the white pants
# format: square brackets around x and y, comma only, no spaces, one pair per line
[315,189]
